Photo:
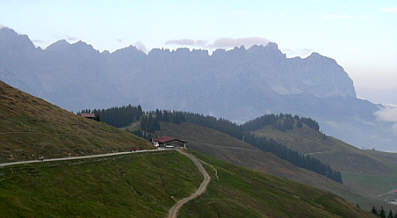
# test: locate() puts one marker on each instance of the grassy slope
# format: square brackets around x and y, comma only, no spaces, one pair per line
[142,185]
[30,126]
[370,172]
[340,155]
[136,185]
[224,147]
[239,192]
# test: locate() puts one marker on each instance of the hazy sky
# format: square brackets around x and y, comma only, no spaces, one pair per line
[360,35]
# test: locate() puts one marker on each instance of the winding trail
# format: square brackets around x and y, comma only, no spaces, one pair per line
[173,212]
[215,170]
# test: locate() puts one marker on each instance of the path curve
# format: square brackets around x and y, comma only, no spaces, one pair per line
[215,170]
[173,212]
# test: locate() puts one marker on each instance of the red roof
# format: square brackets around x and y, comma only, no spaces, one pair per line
[163,139]
[89,115]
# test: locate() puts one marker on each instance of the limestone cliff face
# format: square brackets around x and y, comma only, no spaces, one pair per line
[264,69]
[238,84]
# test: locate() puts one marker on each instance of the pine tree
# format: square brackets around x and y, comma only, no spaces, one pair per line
[382,213]
[390,214]
[374,211]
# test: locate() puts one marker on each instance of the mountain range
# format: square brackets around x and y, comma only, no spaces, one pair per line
[237,84]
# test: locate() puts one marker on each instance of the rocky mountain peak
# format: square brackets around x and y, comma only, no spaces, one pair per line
[269,50]
[58,45]
[9,39]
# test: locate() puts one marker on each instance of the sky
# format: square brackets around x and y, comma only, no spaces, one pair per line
[360,35]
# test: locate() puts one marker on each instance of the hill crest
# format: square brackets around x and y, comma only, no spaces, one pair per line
[30,127]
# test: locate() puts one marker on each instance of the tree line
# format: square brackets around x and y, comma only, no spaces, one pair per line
[382,213]
[281,122]
[117,116]
[150,122]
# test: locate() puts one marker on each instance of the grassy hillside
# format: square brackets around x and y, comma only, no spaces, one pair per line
[30,127]
[338,154]
[224,147]
[148,184]
[136,185]
[238,192]
[370,172]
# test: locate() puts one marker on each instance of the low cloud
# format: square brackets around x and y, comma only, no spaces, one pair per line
[187,42]
[71,38]
[390,10]
[224,43]
[388,114]
[303,53]
[237,42]
[140,46]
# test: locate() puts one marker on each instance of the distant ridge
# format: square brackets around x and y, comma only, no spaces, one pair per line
[238,84]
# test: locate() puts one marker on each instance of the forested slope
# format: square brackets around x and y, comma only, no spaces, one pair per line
[149,122]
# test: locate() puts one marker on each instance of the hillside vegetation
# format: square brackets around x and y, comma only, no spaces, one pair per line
[30,127]
[136,185]
[338,154]
[238,192]
[148,184]
[370,172]
[149,122]
[261,143]
[226,148]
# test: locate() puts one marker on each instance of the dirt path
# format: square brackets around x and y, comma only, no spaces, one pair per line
[82,157]
[215,170]
[16,132]
[318,152]
[173,212]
